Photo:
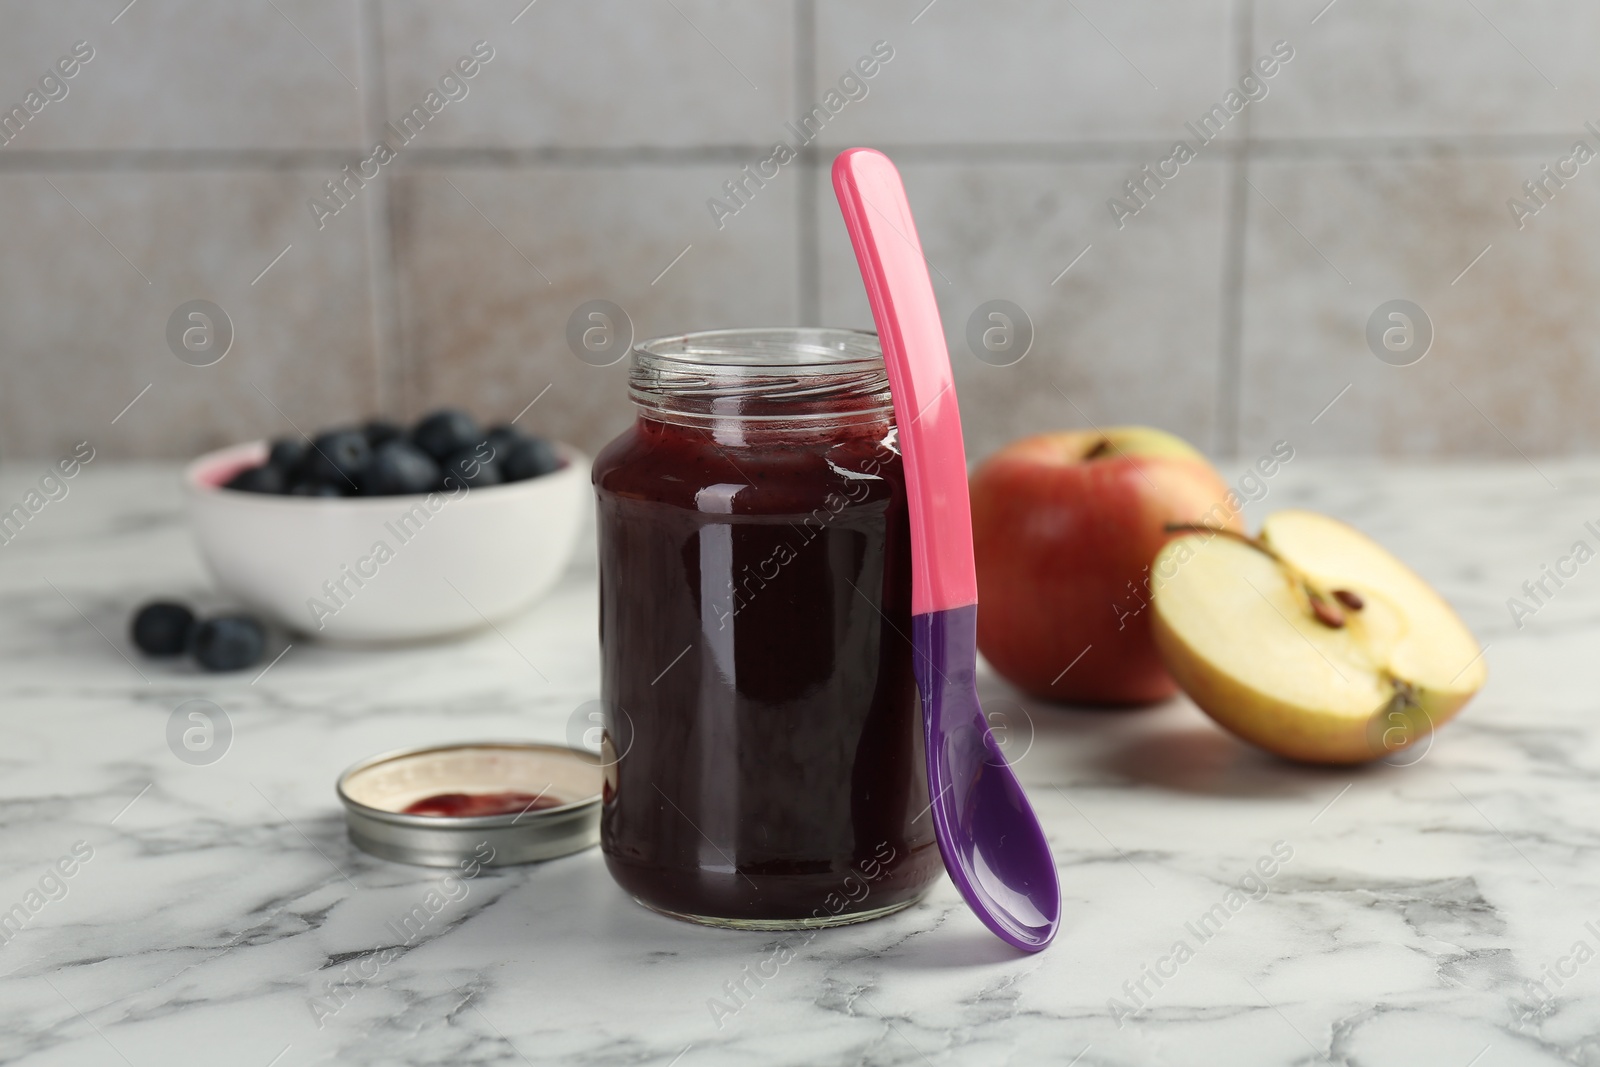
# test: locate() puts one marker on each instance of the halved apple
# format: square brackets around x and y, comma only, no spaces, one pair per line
[1311,640]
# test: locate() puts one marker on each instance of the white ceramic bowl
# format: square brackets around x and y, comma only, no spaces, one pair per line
[390,568]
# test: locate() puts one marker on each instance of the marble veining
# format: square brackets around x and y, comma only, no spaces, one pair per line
[1441,912]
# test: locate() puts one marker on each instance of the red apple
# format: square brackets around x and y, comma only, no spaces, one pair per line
[1065,526]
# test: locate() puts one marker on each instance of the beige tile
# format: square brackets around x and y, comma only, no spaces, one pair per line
[1430,68]
[1128,335]
[1515,336]
[486,297]
[1024,70]
[187,73]
[600,73]
[85,332]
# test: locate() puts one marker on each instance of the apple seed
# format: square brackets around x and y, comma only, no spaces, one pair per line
[1350,600]
[1326,613]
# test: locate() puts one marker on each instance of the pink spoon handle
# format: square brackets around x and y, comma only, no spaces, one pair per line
[878,217]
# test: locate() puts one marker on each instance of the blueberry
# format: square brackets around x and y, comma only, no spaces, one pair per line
[287,453]
[469,467]
[398,468]
[446,432]
[380,432]
[317,489]
[529,458]
[337,457]
[266,479]
[500,439]
[162,627]
[229,643]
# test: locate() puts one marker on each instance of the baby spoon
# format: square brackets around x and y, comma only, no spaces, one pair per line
[992,844]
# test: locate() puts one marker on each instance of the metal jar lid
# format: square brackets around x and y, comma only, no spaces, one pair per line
[376,792]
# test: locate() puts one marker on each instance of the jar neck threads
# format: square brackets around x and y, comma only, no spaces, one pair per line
[768,382]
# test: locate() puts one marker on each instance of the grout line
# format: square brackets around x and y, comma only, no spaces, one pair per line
[317,160]
[808,269]
[1230,334]
[383,288]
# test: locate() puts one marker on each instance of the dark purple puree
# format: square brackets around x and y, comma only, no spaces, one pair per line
[755,615]
[472,805]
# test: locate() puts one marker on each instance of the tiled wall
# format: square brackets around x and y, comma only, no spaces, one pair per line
[1231,308]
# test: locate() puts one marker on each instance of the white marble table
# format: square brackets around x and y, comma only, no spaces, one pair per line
[221,900]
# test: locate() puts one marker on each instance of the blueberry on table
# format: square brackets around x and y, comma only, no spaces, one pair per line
[316,489]
[380,432]
[445,433]
[529,458]
[286,454]
[264,479]
[399,468]
[229,643]
[337,457]
[470,468]
[162,628]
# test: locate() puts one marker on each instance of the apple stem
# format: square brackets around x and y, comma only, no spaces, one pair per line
[1101,448]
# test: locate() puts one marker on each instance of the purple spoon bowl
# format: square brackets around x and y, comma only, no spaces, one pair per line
[992,843]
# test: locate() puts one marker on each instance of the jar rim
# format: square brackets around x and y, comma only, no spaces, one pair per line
[759,350]
[775,375]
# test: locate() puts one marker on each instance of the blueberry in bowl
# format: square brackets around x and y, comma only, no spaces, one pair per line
[287,453]
[445,433]
[336,457]
[530,457]
[471,467]
[443,451]
[266,478]
[381,431]
[378,533]
[398,468]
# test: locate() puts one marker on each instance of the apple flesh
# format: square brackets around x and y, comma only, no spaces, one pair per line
[1311,640]
[1065,526]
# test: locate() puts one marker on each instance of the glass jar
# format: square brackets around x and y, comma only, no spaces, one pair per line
[764,735]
